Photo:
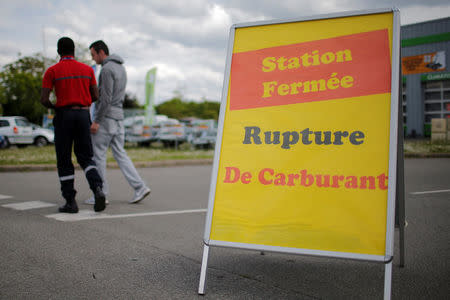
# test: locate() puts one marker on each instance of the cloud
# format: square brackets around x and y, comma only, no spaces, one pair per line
[186,41]
[420,12]
[7,52]
[75,19]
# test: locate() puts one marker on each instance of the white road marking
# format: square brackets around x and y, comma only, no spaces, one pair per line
[5,197]
[430,192]
[28,205]
[91,215]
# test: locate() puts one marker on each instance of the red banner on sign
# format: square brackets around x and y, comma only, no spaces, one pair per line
[343,67]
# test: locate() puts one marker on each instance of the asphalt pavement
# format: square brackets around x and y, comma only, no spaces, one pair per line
[153,250]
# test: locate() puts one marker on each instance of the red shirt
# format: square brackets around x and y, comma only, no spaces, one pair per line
[71,80]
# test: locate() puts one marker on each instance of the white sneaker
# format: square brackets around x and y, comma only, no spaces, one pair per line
[140,194]
[91,201]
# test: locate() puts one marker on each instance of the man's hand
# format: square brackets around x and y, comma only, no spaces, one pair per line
[45,98]
[94,127]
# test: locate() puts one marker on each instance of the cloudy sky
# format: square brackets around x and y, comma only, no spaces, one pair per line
[185,40]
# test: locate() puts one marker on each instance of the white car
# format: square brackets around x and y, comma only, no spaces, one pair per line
[19,131]
[172,133]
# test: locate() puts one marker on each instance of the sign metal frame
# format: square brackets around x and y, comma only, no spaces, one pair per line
[392,167]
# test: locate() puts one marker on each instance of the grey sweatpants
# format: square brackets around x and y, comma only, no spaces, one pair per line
[111,133]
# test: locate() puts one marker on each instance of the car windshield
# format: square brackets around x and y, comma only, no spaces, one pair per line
[22,123]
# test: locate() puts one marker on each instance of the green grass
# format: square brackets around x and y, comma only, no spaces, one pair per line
[28,155]
[32,155]
[424,146]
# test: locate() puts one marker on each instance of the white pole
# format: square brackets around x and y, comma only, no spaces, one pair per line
[387,281]
[201,286]
[44,49]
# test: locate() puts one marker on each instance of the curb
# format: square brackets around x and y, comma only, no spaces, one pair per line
[149,164]
[427,155]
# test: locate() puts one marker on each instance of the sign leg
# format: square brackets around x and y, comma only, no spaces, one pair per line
[400,190]
[387,280]
[201,286]
[400,204]
[402,244]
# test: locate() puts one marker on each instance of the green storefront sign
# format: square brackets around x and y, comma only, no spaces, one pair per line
[430,77]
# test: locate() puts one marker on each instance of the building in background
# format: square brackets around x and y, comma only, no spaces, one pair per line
[425,50]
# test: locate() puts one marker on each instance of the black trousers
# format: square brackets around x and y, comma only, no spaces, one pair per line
[72,129]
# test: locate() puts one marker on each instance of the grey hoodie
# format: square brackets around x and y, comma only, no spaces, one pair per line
[112,83]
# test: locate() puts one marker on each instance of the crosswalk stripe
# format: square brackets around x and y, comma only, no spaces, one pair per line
[28,205]
[430,192]
[91,215]
[5,197]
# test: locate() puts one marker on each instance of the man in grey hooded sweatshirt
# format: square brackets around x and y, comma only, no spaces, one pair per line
[107,128]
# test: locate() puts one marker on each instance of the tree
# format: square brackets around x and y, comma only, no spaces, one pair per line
[20,87]
[209,109]
[21,83]
[178,109]
[131,101]
[173,108]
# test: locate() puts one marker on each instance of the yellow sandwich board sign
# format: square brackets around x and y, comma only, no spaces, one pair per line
[305,157]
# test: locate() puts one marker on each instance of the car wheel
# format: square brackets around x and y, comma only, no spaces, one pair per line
[40,141]
[144,144]
[5,144]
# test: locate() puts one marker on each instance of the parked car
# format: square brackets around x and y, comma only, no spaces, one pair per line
[137,131]
[172,133]
[203,133]
[206,140]
[19,131]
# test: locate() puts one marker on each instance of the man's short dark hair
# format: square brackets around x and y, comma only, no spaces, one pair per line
[99,45]
[66,46]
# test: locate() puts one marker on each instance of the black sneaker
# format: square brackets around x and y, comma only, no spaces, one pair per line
[70,207]
[99,199]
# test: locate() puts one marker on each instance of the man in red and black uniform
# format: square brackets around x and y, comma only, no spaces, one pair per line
[75,88]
